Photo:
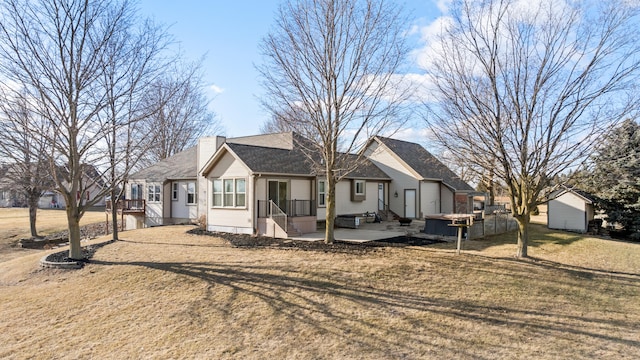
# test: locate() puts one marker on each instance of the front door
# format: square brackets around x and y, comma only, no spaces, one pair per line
[410,204]
[381,196]
[278,193]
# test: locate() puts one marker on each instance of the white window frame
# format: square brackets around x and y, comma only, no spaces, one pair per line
[229,197]
[322,194]
[240,194]
[215,193]
[153,193]
[174,191]
[191,192]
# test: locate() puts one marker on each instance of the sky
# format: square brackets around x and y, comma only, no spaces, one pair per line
[228,34]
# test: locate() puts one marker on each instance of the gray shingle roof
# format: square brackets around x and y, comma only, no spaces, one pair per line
[272,160]
[292,161]
[179,166]
[424,163]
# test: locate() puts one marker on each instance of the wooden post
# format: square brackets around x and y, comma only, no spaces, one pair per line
[467,224]
[459,240]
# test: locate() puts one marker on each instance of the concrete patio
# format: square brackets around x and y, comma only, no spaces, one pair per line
[373,231]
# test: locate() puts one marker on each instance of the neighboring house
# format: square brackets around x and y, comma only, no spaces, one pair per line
[422,185]
[12,196]
[94,184]
[252,184]
[570,209]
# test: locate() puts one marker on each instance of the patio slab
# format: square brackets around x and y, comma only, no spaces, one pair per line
[369,232]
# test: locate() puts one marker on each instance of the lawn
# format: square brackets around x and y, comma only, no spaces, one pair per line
[14,225]
[162,293]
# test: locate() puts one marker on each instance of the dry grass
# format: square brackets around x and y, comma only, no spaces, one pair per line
[14,225]
[162,293]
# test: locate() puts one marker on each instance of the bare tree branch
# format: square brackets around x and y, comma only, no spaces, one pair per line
[526,89]
[332,75]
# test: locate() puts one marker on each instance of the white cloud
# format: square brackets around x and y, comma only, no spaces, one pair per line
[443,5]
[216,89]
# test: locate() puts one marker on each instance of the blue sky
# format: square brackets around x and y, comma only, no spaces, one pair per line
[228,33]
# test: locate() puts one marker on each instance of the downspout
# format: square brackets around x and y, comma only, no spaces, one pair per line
[419,213]
[254,214]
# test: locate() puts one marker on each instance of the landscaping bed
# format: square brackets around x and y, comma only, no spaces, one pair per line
[244,240]
[89,231]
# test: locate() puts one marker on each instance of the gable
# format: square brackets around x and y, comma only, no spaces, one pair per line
[228,166]
[422,163]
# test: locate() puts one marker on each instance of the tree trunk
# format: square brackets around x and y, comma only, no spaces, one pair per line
[329,237]
[114,213]
[523,235]
[33,212]
[75,250]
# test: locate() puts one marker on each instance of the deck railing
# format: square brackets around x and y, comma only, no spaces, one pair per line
[128,205]
[293,208]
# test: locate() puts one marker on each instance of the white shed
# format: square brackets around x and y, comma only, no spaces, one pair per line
[571,210]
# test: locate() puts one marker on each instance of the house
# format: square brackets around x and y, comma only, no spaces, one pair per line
[266,185]
[170,191]
[422,185]
[255,181]
[570,209]
[12,196]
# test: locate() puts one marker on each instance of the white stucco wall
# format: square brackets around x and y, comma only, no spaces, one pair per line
[179,207]
[300,189]
[446,200]
[567,212]
[234,220]
[430,198]
[402,177]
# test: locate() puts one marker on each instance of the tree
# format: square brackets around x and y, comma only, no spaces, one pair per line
[525,88]
[28,165]
[182,114]
[58,52]
[129,75]
[614,176]
[331,74]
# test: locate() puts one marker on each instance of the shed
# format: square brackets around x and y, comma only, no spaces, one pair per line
[570,209]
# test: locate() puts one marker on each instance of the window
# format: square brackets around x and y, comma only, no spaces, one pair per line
[153,193]
[191,193]
[229,192]
[358,190]
[136,191]
[322,193]
[360,187]
[174,191]
[240,192]
[217,192]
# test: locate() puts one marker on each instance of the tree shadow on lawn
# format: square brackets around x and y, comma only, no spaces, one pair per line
[390,322]
[539,235]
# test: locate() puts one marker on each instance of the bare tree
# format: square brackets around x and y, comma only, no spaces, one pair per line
[58,52]
[331,74]
[182,115]
[27,153]
[129,75]
[524,89]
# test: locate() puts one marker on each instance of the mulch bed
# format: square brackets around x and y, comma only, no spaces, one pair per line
[87,253]
[89,231]
[250,241]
